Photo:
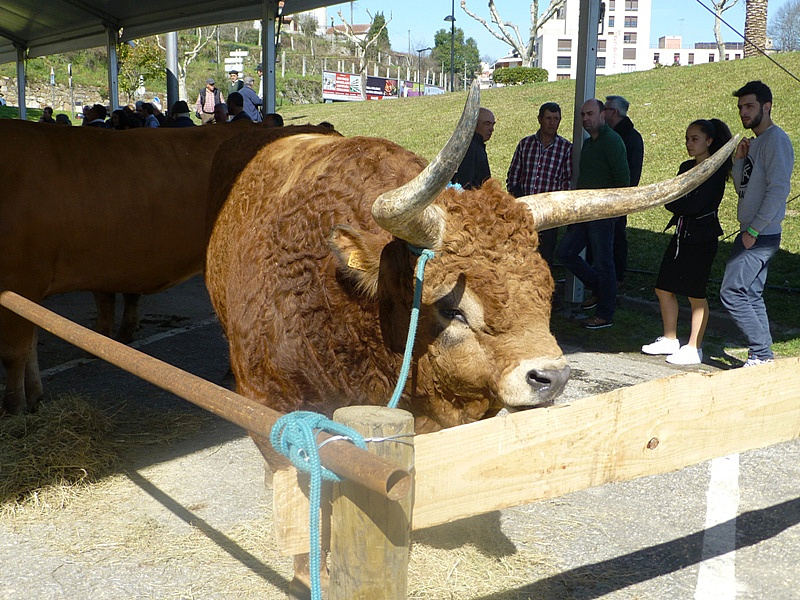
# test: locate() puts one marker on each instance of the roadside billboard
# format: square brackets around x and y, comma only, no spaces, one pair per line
[346,87]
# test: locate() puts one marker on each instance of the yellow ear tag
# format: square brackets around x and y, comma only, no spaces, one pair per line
[355,261]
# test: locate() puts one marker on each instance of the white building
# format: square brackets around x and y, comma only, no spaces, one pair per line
[671,52]
[623,40]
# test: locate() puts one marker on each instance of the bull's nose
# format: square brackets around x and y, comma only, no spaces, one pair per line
[548,383]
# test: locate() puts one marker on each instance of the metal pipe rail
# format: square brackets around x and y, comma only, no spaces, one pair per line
[341,457]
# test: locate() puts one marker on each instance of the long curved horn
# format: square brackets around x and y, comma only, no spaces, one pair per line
[406,212]
[553,209]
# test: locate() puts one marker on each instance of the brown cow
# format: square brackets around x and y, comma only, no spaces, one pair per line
[314,292]
[101,210]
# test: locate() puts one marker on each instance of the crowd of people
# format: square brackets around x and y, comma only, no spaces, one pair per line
[612,156]
[241,103]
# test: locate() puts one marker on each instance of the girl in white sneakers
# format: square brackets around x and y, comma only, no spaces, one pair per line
[686,266]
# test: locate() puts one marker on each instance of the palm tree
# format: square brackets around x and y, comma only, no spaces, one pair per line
[755,27]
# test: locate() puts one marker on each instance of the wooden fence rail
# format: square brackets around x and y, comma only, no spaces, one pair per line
[341,457]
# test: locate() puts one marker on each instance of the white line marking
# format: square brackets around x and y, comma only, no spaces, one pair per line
[137,344]
[716,579]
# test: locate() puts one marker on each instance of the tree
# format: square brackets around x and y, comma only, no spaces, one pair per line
[363,44]
[720,6]
[508,33]
[378,31]
[755,27]
[785,27]
[139,62]
[195,44]
[307,24]
[463,52]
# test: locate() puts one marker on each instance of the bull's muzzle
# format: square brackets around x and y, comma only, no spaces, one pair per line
[548,383]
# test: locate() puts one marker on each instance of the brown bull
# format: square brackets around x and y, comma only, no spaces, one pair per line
[311,275]
[100,210]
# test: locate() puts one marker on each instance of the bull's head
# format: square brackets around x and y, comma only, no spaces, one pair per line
[484,339]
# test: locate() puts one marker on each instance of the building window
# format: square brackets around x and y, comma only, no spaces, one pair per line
[631,5]
[601,45]
[676,58]
[565,45]
[612,5]
[631,21]
[628,68]
[710,58]
[656,56]
[610,22]
[629,54]
[564,62]
[727,56]
[601,62]
[628,38]
[561,14]
[691,58]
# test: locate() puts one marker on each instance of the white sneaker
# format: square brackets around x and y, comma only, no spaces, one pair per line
[662,345]
[753,361]
[686,355]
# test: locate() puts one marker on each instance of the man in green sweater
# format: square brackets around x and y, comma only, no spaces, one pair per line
[603,164]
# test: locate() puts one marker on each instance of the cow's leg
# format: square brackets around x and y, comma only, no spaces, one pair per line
[17,341]
[105,312]
[130,318]
[33,380]
[300,585]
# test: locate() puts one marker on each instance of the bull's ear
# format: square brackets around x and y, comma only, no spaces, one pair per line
[358,256]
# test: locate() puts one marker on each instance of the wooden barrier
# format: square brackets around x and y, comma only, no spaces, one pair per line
[653,427]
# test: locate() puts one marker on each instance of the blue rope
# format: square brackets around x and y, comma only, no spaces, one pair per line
[424,256]
[293,436]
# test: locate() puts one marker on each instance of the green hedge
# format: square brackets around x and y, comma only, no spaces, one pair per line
[519,75]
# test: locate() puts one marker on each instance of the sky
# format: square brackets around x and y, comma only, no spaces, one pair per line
[414,22]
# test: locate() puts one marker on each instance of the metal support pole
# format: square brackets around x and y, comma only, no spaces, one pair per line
[173,93]
[21,82]
[269,53]
[113,68]
[585,80]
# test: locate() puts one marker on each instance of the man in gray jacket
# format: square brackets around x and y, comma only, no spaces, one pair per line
[762,170]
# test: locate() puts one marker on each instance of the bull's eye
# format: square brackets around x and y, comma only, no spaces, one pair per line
[453,314]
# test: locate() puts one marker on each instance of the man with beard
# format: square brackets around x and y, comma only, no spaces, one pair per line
[762,170]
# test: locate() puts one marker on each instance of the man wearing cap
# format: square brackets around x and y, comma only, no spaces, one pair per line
[236,83]
[179,116]
[207,99]
[251,100]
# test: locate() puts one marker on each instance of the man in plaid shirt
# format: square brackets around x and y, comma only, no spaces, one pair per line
[542,163]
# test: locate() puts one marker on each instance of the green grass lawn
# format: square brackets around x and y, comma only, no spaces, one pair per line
[663,103]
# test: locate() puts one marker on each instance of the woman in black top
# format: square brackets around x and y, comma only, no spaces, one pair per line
[686,266]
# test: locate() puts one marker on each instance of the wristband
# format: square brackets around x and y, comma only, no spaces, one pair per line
[752,232]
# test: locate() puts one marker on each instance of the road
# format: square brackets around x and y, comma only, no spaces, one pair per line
[192,518]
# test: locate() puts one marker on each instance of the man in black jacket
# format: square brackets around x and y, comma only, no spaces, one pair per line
[474,169]
[616,115]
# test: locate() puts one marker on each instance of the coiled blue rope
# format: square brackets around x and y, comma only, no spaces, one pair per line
[293,434]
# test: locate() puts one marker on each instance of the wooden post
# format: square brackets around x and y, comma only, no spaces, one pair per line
[370,535]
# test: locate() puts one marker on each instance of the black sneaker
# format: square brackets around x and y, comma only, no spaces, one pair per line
[596,323]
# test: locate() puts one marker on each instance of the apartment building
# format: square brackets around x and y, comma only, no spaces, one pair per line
[623,39]
[670,52]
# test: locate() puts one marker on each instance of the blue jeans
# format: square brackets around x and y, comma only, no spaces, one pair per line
[600,276]
[742,291]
